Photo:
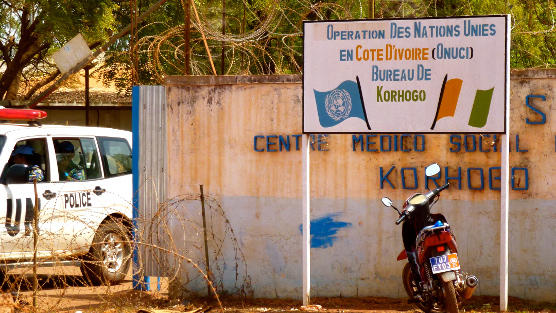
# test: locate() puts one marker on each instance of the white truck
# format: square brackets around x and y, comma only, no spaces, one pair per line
[84,190]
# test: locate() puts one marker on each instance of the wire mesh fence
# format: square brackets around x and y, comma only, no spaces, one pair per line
[76,264]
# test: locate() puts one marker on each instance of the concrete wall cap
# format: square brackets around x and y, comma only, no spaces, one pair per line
[536,73]
[211,80]
[230,80]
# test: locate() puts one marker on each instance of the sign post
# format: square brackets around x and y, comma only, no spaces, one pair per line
[505,185]
[504,211]
[430,75]
[305,150]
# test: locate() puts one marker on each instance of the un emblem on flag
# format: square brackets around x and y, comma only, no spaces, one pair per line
[338,104]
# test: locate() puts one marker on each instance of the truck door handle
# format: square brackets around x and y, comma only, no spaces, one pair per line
[98,191]
[48,194]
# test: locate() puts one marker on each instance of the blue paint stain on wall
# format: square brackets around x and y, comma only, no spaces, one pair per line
[324,230]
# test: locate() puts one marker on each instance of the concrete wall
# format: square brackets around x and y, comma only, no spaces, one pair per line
[225,132]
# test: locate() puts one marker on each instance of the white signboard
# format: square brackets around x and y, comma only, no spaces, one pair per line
[433,75]
[72,53]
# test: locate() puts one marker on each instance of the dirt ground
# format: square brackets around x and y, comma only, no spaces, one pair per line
[68,293]
[373,304]
[143,302]
[123,299]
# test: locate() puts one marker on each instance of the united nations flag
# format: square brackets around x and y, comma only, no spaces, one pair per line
[341,103]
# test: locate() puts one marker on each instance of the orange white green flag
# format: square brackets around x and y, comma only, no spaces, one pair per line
[448,101]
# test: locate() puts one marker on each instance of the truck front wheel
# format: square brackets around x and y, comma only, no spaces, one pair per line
[109,256]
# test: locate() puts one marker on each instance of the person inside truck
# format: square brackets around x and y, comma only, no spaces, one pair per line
[26,155]
[67,169]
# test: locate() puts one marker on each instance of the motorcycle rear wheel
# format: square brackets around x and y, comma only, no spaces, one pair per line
[450,300]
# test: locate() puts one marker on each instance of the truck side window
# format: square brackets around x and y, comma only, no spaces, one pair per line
[33,153]
[92,162]
[77,159]
[70,159]
[116,156]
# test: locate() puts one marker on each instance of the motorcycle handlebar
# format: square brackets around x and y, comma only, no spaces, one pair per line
[439,189]
[432,194]
[399,220]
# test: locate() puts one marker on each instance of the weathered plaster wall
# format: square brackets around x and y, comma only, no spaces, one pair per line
[217,124]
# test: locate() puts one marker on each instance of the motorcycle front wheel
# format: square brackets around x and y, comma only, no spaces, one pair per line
[450,301]
[411,287]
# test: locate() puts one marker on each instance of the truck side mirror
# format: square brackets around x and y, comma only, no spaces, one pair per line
[17,174]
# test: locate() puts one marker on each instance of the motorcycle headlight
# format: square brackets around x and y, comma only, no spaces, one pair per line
[418,199]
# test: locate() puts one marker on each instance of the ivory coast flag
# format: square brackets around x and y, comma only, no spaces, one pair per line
[448,101]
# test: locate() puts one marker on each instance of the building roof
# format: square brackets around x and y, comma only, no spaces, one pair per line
[72,93]
[77,97]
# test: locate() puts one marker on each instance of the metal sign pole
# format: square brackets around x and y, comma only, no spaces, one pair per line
[504,203]
[305,151]
[505,184]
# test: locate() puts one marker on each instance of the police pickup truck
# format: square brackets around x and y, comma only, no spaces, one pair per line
[79,178]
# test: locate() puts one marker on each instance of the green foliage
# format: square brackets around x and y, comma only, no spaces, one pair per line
[58,21]
[533,33]
[64,19]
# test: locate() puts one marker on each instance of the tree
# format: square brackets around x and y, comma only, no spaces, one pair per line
[533,33]
[33,29]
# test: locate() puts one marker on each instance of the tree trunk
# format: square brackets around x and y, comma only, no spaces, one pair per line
[29,45]
[11,74]
[187,36]
[26,50]
[11,93]
[41,84]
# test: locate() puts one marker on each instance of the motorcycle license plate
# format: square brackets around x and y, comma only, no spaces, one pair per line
[444,263]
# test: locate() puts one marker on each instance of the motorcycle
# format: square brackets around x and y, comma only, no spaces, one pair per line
[443,285]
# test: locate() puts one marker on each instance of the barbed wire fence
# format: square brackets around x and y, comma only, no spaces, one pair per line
[169,246]
[178,226]
[268,38]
